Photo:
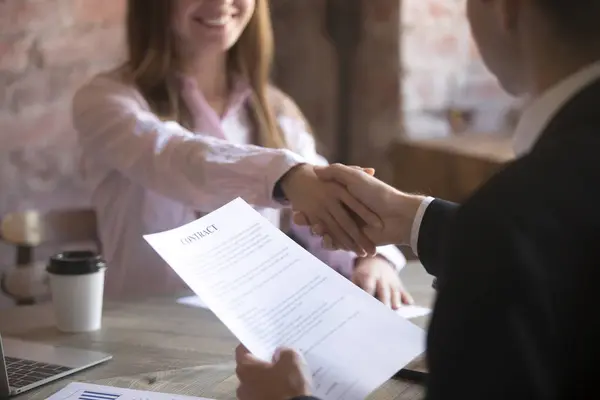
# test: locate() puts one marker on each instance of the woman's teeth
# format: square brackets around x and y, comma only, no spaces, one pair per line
[217,21]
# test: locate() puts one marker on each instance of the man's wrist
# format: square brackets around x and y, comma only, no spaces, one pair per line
[407,206]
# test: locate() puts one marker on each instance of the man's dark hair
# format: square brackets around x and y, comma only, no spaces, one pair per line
[577,18]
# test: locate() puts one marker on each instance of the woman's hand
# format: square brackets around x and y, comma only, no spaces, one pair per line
[395,209]
[377,276]
[329,204]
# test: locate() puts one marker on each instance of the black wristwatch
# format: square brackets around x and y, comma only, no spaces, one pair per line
[278,194]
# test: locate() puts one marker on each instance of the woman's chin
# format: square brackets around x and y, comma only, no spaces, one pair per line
[215,42]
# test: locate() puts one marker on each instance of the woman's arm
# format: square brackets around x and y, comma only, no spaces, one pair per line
[116,128]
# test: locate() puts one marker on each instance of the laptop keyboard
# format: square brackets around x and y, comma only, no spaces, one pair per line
[25,372]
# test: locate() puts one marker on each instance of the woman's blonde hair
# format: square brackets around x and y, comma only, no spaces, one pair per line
[153,63]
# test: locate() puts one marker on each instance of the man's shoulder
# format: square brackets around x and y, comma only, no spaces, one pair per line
[563,164]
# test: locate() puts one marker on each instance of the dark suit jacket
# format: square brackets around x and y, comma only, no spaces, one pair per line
[518,266]
[517,269]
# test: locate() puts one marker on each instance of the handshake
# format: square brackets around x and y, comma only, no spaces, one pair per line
[349,207]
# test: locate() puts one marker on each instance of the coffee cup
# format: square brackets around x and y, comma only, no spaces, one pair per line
[77,288]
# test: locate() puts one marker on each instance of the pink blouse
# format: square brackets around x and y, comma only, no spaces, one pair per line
[148,175]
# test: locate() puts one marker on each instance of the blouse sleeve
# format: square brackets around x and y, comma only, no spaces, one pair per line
[116,128]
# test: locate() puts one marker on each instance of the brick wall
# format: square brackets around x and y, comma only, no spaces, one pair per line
[47,49]
[442,69]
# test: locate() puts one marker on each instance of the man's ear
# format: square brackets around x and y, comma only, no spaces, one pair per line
[507,12]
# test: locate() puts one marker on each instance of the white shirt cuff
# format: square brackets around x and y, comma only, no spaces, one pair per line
[390,253]
[393,255]
[416,226]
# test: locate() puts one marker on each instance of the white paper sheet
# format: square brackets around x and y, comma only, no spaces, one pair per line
[87,391]
[270,292]
[408,311]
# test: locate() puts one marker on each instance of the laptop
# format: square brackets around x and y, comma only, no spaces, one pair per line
[27,365]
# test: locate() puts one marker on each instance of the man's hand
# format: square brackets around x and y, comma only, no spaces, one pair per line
[283,379]
[329,205]
[396,209]
[377,276]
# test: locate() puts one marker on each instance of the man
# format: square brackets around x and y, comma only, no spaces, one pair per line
[518,263]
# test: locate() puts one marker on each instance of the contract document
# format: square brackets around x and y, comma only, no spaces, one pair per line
[270,292]
[406,311]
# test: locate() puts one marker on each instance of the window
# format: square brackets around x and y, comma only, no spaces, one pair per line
[446,88]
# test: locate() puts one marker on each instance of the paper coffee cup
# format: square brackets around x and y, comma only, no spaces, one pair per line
[77,287]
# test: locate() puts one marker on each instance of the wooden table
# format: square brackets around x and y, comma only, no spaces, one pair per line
[186,349]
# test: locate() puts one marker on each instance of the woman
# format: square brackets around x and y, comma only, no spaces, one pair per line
[168,136]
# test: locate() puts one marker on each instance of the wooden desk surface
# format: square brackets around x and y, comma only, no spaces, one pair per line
[187,349]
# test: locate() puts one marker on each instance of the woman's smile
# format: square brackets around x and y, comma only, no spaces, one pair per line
[218,22]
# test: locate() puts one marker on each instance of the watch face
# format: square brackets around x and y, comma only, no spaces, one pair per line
[278,194]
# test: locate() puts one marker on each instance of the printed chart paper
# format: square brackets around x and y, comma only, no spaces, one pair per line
[88,391]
